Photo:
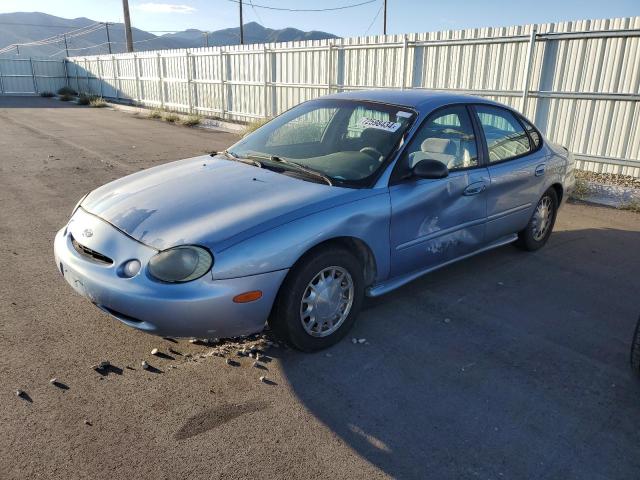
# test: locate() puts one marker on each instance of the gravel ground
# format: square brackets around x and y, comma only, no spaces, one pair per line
[609,179]
[618,191]
[507,365]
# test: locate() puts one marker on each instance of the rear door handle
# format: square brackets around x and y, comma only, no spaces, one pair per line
[474,189]
[540,170]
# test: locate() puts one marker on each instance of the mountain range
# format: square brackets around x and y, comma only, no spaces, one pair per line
[25,27]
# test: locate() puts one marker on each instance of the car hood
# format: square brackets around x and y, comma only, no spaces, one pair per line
[208,201]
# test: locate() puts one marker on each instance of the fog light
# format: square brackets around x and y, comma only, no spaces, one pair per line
[131,268]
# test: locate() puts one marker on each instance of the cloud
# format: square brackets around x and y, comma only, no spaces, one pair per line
[164,8]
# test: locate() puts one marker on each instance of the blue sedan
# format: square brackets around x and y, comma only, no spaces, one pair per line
[344,196]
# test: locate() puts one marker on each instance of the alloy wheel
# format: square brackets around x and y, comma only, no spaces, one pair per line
[542,218]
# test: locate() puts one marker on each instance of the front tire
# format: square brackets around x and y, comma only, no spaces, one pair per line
[319,300]
[540,226]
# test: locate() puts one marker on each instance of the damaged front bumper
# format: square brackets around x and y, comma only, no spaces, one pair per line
[203,308]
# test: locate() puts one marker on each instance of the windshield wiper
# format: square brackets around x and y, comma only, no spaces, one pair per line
[232,156]
[296,166]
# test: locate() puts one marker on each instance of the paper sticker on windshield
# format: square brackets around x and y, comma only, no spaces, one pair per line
[403,114]
[379,124]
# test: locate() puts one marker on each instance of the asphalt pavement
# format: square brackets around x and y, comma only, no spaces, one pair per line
[508,365]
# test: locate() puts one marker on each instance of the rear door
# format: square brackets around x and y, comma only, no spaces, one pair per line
[516,165]
[437,220]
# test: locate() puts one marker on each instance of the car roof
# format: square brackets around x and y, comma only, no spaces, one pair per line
[413,98]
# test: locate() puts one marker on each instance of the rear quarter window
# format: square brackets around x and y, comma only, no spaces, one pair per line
[533,133]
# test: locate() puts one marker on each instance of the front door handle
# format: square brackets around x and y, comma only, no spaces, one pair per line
[474,189]
[540,170]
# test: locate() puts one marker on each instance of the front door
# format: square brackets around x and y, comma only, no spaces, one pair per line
[434,221]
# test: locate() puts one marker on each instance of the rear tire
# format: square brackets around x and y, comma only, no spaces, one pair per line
[541,224]
[319,300]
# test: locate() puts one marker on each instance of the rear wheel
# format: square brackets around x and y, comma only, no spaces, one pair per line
[540,226]
[319,300]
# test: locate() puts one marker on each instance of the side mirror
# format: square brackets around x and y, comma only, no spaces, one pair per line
[430,169]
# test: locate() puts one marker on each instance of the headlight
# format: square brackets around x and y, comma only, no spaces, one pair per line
[180,264]
[79,203]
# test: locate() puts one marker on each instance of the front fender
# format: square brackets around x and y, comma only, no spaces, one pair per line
[279,248]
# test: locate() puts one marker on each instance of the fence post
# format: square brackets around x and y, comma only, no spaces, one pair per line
[160,84]
[528,66]
[265,93]
[100,75]
[77,78]
[403,80]
[136,73]
[223,83]
[329,66]
[33,74]
[189,80]
[1,80]
[87,77]
[66,71]
[115,66]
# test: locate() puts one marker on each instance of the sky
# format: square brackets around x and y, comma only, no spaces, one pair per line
[404,16]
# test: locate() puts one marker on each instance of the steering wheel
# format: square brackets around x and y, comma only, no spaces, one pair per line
[373,153]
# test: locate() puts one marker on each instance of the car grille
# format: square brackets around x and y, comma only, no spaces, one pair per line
[92,254]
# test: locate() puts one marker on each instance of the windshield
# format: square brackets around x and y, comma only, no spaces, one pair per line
[344,140]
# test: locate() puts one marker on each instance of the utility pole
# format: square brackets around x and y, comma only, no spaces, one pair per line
[384,30]
[241,29]
[106,25]
[206,38]
[127,25]
[66,47]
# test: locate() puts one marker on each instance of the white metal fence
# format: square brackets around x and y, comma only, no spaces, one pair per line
[579,81]
[30,76]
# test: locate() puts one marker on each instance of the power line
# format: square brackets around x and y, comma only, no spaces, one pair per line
[344,7]
[82,48]
[255,12]
[44,41]
[55,38]
[374,19]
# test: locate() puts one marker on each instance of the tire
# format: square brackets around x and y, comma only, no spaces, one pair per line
[338,291]
[532,238]
[635,349]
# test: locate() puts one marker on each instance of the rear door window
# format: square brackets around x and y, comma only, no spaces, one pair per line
[506,139]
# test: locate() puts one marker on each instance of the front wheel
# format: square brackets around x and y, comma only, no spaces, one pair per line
[319,300]
[540,226]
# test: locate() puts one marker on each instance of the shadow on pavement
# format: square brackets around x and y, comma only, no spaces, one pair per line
[32,101]
[507,365]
